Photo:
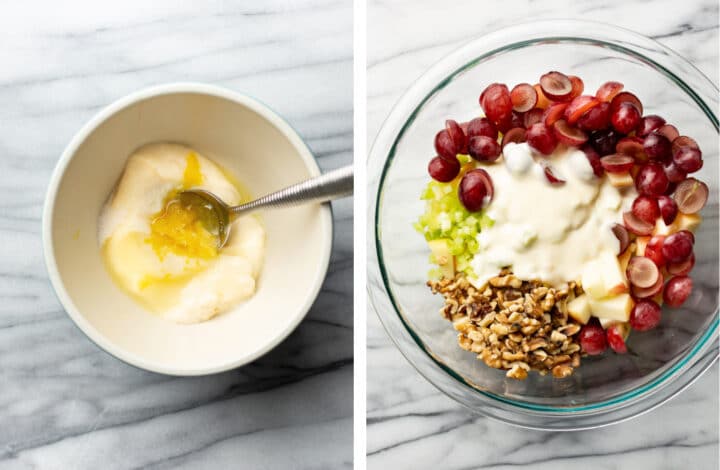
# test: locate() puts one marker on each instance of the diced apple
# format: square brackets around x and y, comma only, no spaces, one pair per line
[579,309]
[613,308]
[613,277]
[641,244]
[624,258]
[620,180]
[661,228]
[592,280]
[443,258]
[607,322]
[686,222]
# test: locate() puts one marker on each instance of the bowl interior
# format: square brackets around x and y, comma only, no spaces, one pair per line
[264,155]
[403,254]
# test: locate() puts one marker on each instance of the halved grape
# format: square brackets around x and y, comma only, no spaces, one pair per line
[653,250]
[632,146]
[646,208]
[625,97]
[541,138]
[482,126]
[484,149]
[523,97]
[625,118]
[677,248]
[642,272]
[556,86]
[647,292]
[596,118]
[554,180]
[683,141]
[645,315]
[443,169]
[594,159]
[637,225]
[472,190]
[649,123]
[515,135]
[569,135]
[687,159]
[691,195]
[532,116]
[579,106]
[683,268]
[622,235]
[445,145]
[668,209]
[608,90]
[604,141]
[669,131]
[553,113]
[617,163]
[657,146]
[677,291]
[651,180]
[495,101]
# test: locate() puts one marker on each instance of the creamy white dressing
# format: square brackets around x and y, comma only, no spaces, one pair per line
[545,231]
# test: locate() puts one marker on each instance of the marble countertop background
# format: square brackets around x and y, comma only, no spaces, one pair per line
[66,404]
[413,425]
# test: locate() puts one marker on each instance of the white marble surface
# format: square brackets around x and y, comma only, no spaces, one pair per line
[410,423]
[64,403]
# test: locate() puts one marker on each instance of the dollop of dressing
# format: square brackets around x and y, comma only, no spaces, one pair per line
[545,231]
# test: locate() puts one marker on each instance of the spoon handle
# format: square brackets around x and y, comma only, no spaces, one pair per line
[331,185]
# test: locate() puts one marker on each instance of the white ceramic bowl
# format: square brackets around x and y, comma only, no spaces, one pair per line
[254,144]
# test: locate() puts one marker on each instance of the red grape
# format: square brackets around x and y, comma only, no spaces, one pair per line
[677,290]
[688,234]
[637,225]
[653,250]
[554,180]
[496,102]
[577,86]
[556,86]
[625,97]
[532,116]
[541,138]
[482,126]
[515,135]
[688,159]
[473,190]
[615,339]
[642,272]
[673,173]
[691,195]
[594,160]
[645,315]
[569,135]
[604,142]
[608,90]
[649,123]
[683,268]
[622,235]
[617,163]
[445,145]
[592,339]
[579,106]
[553,113]
[648,292]
[656,146]
[651,180]
[668,209]
[646,208]
[677,248]
[543,102]
[523,97]
[598,117]
[625,118]
[484,149]
[456,134]
[443,169]
[683,141]
[632,146]
[669,131]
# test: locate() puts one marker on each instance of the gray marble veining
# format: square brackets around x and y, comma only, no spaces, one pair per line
[64,403]
[413,425]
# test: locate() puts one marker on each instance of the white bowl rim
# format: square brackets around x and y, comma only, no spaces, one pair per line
[59,172]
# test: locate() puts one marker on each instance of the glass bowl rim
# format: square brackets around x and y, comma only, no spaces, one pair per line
[632,39]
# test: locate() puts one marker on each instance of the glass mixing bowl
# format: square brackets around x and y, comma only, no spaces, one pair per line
[605,389]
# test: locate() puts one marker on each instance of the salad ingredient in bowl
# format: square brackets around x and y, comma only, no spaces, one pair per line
[559,222]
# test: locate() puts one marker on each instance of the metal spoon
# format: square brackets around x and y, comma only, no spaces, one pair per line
[332,185]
